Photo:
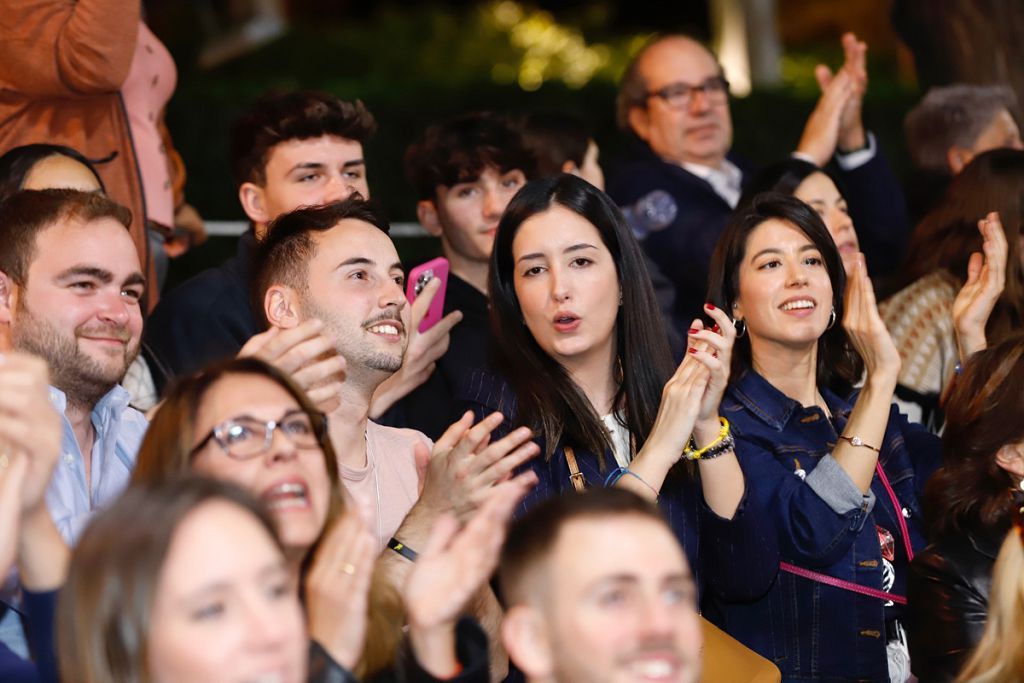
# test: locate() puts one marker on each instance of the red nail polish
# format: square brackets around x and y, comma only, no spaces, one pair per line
[715,328]
[693,330]
[710,306]
[692,350]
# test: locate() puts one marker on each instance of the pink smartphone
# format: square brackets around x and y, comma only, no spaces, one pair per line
[418,279]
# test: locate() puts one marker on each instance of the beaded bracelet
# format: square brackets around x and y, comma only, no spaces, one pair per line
[722,444]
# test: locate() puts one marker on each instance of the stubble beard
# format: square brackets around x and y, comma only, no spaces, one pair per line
[82,378]
[353,345]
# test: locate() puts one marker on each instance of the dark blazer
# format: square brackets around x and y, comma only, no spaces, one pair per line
[947,596]
[37,611]
[682,251]
[205,319]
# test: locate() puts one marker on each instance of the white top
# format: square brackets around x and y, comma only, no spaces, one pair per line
[619,435]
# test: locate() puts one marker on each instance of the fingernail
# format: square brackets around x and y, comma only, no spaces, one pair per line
[715,328]
[693,330]
[710,306]
[691,350]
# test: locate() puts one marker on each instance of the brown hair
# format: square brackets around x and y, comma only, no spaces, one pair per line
[166,452]
[279,117]
[105,606]
[27,213]
[946,237]
[284,254]
[983,413]
[533,537]
[460,149]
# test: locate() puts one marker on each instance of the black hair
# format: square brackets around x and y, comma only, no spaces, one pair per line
[284,254]
[839,366]
[554,138]
[458,150]
[17,163]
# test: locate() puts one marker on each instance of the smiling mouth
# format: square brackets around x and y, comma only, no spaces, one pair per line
[289,495]
[799,304]
[654,669]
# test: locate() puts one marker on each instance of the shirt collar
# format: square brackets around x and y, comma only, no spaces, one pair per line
[773,407]
[727,170]
[114,401]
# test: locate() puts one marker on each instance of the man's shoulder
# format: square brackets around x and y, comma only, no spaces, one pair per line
[394,438]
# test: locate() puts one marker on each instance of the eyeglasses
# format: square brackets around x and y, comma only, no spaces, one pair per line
[243,438]
[680,95]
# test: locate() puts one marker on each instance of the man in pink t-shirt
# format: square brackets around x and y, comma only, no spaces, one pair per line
[335,270]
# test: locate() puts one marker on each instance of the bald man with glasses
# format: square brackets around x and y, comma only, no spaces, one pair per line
[674,102]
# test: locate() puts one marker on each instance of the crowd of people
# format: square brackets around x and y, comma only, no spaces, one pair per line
[709,422]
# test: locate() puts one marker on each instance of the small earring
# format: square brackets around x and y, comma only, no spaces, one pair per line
[831,319]
[620,298]
[741,327]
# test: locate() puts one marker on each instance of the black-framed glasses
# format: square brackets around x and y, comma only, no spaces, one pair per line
[243,438]
[680,95]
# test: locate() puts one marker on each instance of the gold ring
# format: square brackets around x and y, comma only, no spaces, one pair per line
[349,568]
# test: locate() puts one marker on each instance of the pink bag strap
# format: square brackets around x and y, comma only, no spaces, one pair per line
[899,510]
[840,583]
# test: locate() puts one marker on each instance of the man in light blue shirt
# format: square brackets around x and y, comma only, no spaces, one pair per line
[71,284]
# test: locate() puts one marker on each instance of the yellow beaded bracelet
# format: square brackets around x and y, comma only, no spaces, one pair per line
[691,452]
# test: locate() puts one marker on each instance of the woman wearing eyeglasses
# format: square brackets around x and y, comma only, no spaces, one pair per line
[246,422]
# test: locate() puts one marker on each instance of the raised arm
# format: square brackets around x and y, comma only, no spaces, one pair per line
[689,407]
[986,277]
[68,49]
[857,450]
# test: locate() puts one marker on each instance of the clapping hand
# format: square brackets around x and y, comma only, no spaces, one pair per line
[986,277]
[865,328]
[306,354]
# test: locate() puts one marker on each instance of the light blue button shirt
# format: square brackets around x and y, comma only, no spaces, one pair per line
[119,430]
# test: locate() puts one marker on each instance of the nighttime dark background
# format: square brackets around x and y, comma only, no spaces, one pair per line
[414,63]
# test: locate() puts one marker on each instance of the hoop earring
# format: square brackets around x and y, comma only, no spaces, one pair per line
[741,327]
[831,319]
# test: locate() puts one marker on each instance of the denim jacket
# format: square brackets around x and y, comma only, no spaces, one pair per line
[813,631]
[737,559]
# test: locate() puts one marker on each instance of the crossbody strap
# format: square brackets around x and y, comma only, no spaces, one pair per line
[575,476]
[840,583]
[856,587]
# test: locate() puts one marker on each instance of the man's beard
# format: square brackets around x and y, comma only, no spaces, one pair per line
[82,378]
[352,345]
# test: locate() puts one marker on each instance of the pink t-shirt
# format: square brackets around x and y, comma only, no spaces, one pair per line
[388,486]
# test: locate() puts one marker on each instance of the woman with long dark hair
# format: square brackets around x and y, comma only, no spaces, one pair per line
[970,505]
[840,472]
[584,362]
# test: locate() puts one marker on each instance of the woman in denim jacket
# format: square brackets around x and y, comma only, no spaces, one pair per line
[841,475]
[584,362]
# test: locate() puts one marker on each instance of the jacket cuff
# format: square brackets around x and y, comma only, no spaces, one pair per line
[857,158]
[833,485]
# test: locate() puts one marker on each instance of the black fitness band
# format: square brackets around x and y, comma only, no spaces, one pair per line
[402,549]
